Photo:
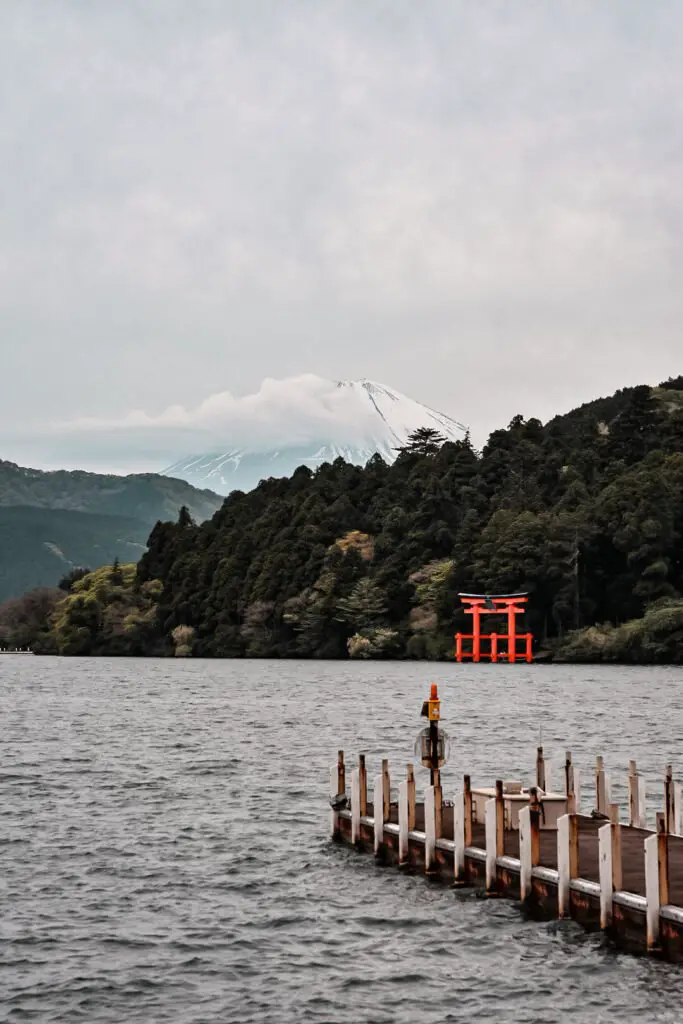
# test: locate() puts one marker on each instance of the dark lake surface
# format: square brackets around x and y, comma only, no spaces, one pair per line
[164,852]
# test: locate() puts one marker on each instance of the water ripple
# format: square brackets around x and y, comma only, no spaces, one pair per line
[164,853]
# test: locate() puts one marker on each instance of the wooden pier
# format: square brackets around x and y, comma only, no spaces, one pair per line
[531,845]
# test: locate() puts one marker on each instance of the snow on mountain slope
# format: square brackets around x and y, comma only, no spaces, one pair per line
[369,419]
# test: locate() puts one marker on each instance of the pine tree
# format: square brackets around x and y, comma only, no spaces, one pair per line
[184,517]
[423,441]
[365,607]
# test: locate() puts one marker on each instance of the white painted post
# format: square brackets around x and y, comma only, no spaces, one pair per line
[605,868]
[490,822]
[430,829]
[637,814]
[459,835]
[563,865]
[378,812]
[525,858]
[567,861]
[355,805]
[652,889]
[672,808]
[602,788]
[403,823]
[438,805]
[577,790]
[677,809]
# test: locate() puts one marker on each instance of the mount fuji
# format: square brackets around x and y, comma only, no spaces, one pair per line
[356,420]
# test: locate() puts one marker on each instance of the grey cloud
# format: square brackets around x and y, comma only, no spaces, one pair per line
[478,203]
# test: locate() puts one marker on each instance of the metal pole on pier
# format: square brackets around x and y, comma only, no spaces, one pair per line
[434,751]
[432,709]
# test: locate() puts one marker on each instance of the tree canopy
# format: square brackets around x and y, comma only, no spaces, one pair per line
[585,513]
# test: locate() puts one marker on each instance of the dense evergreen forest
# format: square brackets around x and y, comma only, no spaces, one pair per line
[584,512]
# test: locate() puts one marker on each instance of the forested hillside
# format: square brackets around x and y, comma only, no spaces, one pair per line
[38,545]
[586,513]
[143,496]
[51,522]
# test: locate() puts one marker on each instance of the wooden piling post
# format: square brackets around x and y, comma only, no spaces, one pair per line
[406,814]
[430,829]
[378,813]
[536,813]
[540,769]
[363,779]
[467,796]
[490,843]
[355,805]
[411,797]
[567,860]
[525,862]
[438,805]
[605,869]
[663,862]
[637,811]
[402,823]
[609,862]
[494,821]
[668,797]
[651,845]
[602,788]
[337,788]
[500,819]
[672,803]
[616,846]
[572,785]
[656,879]
[386,791]
[459,842]
[529,842]
[569,782]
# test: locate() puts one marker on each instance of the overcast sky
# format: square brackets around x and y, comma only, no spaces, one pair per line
[476,203]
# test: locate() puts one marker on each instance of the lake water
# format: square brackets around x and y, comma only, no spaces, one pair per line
[164,852]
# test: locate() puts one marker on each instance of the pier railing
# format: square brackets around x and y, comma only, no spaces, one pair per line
[532,844]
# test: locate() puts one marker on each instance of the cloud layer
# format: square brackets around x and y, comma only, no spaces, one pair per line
[285,412]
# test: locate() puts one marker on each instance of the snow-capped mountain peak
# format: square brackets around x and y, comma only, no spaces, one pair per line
[353,420]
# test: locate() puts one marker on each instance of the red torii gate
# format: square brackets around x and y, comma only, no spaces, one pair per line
[477,605]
